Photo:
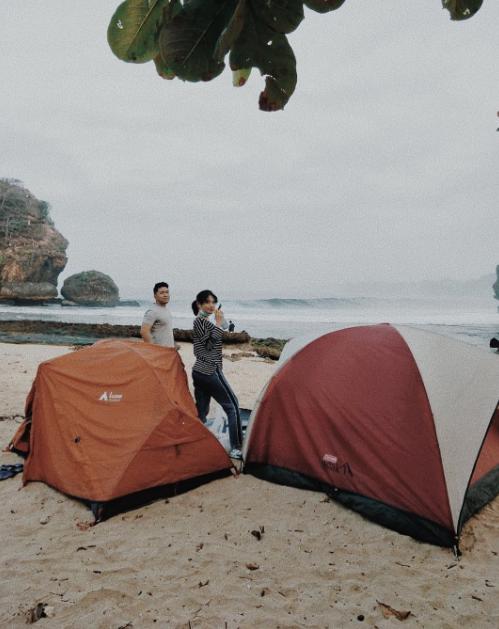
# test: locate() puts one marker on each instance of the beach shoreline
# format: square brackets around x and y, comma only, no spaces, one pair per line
[80,333]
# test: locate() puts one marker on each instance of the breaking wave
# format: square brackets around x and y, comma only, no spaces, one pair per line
[283,303]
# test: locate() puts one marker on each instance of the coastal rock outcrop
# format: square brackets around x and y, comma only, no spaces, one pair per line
[62,332]
[91,288]
[28,291]
[495,286]
[32,251]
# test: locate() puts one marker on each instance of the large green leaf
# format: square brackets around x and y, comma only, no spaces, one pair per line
[232,31]
[260,47]
[133,30]
[461,9]
[190,38]
[282,16]
[187,41]
[323,6]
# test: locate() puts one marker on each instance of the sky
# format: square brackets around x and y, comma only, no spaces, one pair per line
[384,165]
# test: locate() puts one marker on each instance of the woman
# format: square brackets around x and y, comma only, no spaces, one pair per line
[207,375]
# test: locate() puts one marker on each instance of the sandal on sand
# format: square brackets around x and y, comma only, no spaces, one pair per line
[8,471]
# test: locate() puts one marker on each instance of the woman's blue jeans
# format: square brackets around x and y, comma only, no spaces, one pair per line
[216,386]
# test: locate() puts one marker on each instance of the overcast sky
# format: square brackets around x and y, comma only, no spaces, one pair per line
[383,166]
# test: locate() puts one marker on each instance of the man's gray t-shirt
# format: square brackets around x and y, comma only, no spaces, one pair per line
[161,322]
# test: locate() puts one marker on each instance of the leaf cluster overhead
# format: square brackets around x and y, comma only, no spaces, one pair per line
[190,39]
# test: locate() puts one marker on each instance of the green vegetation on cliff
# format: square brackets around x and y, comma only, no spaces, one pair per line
[32,251]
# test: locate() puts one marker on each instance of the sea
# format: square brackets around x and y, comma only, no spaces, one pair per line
[471,319]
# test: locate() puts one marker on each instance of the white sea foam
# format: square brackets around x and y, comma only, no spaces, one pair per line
[471,318]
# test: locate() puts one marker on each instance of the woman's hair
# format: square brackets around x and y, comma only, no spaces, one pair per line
[202,298]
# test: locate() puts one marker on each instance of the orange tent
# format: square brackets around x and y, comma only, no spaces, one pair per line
[114,419]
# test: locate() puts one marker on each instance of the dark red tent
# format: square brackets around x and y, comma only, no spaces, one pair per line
[395,422]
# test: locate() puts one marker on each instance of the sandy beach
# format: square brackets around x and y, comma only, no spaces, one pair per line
[192,561]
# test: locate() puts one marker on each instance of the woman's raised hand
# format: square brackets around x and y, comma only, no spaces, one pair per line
[219,316]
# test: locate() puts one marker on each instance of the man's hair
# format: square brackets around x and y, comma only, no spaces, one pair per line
[160,285]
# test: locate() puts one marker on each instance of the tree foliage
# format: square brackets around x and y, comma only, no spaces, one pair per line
[20,211]
[190,39]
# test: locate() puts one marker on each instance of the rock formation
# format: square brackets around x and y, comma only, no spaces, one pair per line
[90,288]
[495,286]
[64,333]
[32,251]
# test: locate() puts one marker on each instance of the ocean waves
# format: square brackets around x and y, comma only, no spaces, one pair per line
[287,317]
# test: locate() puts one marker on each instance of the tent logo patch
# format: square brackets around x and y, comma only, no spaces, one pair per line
[330,462]
[111,397]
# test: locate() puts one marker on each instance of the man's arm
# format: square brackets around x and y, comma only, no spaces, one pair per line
[145,332]
[146,327]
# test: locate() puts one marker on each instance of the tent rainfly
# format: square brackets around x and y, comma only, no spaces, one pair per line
[112,422]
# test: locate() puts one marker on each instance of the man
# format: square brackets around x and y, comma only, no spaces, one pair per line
[157,326]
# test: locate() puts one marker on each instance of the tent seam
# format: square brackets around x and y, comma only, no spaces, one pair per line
[135,454]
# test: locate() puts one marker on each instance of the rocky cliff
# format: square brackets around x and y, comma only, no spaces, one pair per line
[495,286]
[32,251]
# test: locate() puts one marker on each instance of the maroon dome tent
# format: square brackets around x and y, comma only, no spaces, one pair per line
[394,422]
